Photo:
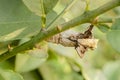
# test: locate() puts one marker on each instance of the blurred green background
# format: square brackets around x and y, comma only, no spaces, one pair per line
[20,19]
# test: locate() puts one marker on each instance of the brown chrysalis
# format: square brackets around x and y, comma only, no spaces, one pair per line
[85,41]
[81,41]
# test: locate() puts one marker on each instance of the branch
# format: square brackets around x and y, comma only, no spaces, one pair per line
[42,35]
[43,14]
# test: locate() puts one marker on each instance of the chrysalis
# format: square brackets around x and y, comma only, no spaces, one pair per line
[84,41]
[84,44]
[81,50]
[81,41]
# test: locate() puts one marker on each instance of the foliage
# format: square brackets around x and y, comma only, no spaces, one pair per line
[21,22]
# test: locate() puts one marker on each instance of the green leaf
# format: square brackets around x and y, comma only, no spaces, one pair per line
[113,36]
[58,70]
[25,62]
[55,16]
[32,59]
[116,24]
[117,10]
[112,70]
[16,21]
[77,8]
[49,5]
[103,28]
[35,6]
[114,39]
[32,75]
[64,51]
[40,51]
[6,65]
[4,46]
[50,17]
[48,14]
[9,75]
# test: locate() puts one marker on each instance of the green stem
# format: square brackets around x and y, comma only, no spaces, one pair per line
[43,15]
[87,5]
[85,18]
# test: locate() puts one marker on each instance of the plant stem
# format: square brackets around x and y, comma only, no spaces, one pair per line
[87,5]
[43,15]
[42,35]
